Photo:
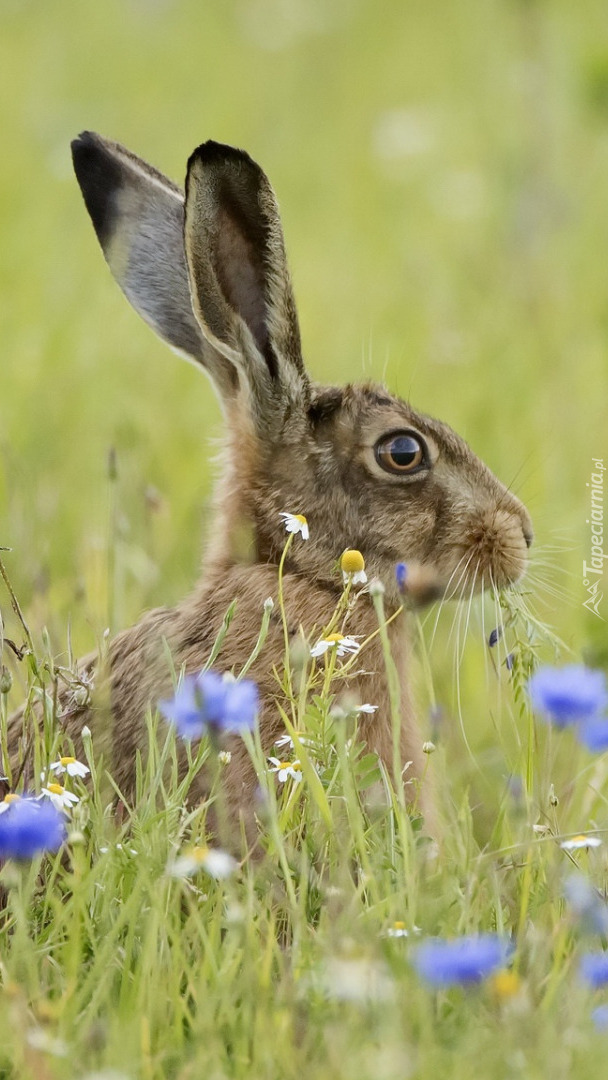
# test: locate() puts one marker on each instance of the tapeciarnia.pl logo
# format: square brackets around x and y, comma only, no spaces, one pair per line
[593,570]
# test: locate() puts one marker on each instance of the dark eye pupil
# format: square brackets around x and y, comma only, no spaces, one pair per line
[401,453]
[404,450]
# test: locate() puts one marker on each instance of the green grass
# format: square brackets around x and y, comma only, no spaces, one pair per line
[441,170]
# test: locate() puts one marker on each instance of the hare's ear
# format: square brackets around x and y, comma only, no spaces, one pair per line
[138,215]
[239,281]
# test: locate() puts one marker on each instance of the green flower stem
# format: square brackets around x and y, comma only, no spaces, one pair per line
[394,692]
[18,612]
[286,643]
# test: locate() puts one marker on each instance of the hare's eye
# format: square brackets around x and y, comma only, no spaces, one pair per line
[401,452]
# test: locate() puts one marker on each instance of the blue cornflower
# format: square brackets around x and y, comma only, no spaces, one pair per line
[569,694]
[600,1017]
[464,960]
[594,968]
[401,575]
[29,826]
[587,904]
[209,703]
[594,734]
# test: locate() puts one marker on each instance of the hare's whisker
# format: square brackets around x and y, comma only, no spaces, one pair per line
[447,595]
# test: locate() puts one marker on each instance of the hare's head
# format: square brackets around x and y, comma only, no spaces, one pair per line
[208,272]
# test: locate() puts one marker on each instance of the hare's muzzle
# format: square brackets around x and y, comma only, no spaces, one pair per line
[495,547]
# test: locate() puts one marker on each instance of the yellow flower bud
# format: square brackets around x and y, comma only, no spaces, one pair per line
[352,562]
[505,984]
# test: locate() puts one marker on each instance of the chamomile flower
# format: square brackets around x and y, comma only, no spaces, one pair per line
[217,863]
[285,769]
[578,843]
[7,801]
[60,797]
[296,523]
[347,706]
[505,984]
[342,645]
[69,765]
[399,929]
[39,1039]
[284,740]
[287,741]
[352,565]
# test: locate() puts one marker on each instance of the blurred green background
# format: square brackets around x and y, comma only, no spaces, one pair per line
[442,171]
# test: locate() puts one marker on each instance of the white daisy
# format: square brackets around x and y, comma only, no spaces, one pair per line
[399,929]
[118,847]
[342,645]
[360,578]
[69,765]
[352,565]
[7,800]
[340,710]
[283,769]
[285,740]
[60,797]
[296,523]
[217,863]
[577,843]
[39,1039]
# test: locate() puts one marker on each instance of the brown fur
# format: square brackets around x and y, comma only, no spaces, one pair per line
[291,446]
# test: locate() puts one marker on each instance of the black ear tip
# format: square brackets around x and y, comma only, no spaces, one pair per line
[99,175]
[213,154]
[86,145]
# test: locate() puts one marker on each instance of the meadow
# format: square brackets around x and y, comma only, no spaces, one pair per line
[441,170]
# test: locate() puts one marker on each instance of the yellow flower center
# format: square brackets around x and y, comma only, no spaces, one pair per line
[352,562]
[67,761]
[56,789]
[301,519]
[398,925]
[505,984]
[199,854]
[11,797]
[333,639]
[289,765]
[579,839]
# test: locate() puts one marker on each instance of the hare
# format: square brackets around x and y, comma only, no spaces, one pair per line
[207,270]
